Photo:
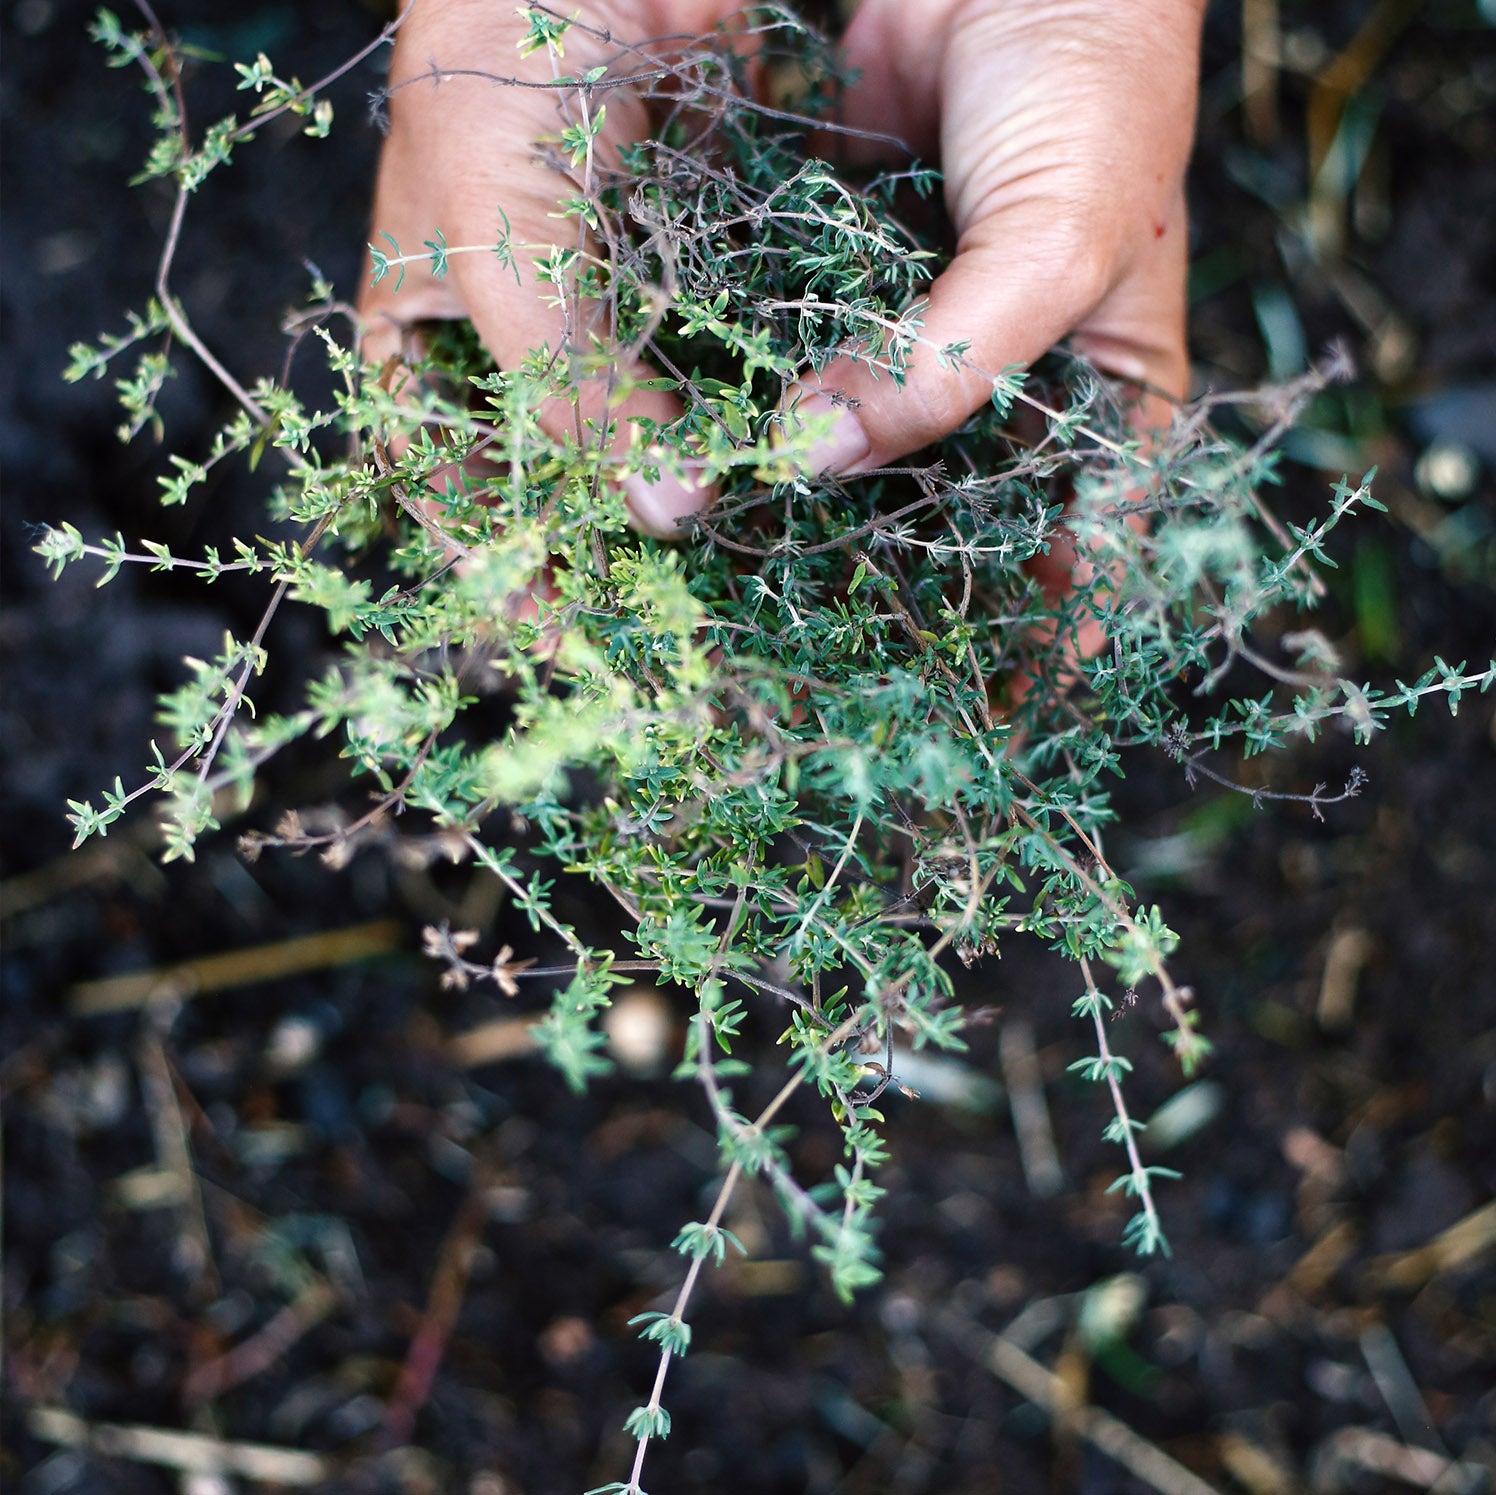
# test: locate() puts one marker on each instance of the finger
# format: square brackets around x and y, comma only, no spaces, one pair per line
[1011,293]
[1015,289]
[1139,334]
[895,65]
[460,160]
[510,311]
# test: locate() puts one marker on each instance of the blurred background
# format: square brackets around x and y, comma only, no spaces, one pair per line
[269,1189]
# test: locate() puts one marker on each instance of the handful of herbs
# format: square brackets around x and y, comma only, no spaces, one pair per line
[838,733]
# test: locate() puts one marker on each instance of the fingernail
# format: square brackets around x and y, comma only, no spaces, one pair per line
[660,506]
[842,447]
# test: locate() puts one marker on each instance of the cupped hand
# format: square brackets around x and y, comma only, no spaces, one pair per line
[1063,128]
[462,150]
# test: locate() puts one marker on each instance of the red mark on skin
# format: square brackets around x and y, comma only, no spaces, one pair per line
[1158,230]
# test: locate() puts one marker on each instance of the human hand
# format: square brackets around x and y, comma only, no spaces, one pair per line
[1063,128]
[463,148]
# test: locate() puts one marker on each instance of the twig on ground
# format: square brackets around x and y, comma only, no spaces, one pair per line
[122,855]
[1254,1468]
[1366,1449]
[1462,1242]
[449,1282]
[1384,1359]
[264,1348]
[489,1043]
[189,978]
[1262,43]
[193,1453]
[194,1246]
[1316,1268]
[1350,948]
[1036,1147]
[1101,1430]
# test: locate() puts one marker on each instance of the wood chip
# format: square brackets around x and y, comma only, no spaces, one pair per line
[504,1038]
[1350,949]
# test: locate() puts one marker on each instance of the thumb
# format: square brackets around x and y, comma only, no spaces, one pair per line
[1016,287]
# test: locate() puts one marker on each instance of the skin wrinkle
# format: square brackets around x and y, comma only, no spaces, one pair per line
[1101,176]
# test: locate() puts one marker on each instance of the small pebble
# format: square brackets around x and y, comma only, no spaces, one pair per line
[1448,471]
[565,1341]
[638,1027]
[1110,1309]
[293,1044]
[1184,1113]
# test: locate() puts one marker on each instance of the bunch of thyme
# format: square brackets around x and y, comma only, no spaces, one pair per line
[840,731]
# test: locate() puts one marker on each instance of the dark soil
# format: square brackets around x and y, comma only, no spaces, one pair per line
[1315,1326]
